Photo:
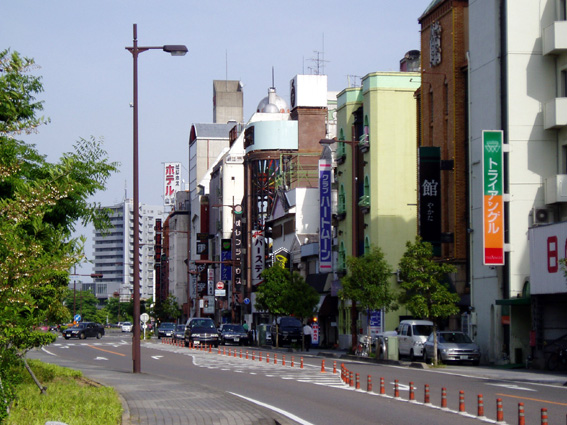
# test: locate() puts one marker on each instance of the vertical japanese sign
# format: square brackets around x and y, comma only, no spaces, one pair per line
[226,255]
[237,237]
[430,196]
[325,235]
[493,202]
[257,256]
[172,182]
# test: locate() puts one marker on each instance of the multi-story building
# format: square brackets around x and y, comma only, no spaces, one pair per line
[114,251]
[517,69]
[376,177]
[443,167]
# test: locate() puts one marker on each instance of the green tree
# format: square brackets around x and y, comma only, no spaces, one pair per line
[39,204]
[83,303]
[283,293]
[424,282]
[368,284]
[167,310]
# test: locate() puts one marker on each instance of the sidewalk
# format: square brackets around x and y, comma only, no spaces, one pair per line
[152,400]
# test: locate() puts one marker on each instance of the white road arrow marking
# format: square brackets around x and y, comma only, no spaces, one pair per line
[512,387]
[101,358]
[157,357]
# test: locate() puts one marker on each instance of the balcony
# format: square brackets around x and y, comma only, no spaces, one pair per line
[364,204]
[555,113]
[555,38]
[364,143]
[556,189]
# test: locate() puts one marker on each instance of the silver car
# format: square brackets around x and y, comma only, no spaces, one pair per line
[452,347]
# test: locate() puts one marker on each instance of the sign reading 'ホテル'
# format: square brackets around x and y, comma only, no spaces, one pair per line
[493,197]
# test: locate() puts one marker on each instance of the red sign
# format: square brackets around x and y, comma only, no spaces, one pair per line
[220,285]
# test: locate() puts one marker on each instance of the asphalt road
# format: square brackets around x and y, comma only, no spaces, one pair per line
[323,398]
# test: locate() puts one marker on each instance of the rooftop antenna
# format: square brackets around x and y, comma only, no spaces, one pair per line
[319,60]
[226,68]
[125,189]
[273,85]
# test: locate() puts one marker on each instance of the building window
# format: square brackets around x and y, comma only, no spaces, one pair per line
[563,10]
[366,245]
[341,206]
[563,83]
[341,263]
[564,159]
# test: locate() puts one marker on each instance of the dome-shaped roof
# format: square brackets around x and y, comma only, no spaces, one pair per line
[272,103]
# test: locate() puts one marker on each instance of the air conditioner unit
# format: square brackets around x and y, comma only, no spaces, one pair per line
[542,216]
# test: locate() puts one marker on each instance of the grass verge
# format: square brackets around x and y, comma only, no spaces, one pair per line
[70,398]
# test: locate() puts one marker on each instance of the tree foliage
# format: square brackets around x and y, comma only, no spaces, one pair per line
[425,288]
[167,310]
[368,285]
[283,293]
[368,281]
[39,204]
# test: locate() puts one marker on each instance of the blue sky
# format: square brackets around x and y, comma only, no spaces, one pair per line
[87,73]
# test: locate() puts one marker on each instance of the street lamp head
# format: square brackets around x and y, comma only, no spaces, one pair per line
[327,142]
[175,49]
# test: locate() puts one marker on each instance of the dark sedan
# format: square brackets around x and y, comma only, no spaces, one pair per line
[166,330]
[201,330]
[179,333]
[233,334]
[84,330]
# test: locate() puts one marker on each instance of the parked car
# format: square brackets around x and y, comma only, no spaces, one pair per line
[452,347]
[179,332]
[234,334]
[412,334]
[201,330]
[84,330]
[166,329]
[288,330]
[127,326]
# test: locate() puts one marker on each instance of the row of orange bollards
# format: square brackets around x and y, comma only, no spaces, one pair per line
[353,380]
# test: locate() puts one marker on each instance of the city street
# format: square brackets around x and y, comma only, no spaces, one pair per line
[314,396]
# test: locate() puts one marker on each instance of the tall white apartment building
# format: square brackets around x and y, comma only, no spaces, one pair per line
[518,84]
[114,251]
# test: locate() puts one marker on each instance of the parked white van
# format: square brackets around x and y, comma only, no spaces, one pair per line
[412,334]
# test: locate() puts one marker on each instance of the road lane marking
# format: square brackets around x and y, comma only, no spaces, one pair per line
[533,399]
[106,351]
[512,387]
[156,357]
[275,409]
[101,358]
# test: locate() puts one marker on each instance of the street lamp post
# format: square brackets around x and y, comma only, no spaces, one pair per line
[174,50]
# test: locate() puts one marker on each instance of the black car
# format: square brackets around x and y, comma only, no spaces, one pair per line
[233,334]
[166,329]
[288,330]
[84,330]
[179,332]
[201,330]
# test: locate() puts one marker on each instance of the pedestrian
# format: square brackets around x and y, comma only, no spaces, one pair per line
[245,326]
[307,333]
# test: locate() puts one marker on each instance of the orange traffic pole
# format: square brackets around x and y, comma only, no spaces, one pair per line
[480,410]
[461,401]
[426,397]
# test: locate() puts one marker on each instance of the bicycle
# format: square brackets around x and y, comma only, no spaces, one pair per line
[558,359]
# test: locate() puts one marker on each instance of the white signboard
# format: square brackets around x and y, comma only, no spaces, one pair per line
[172,182]
[548,249]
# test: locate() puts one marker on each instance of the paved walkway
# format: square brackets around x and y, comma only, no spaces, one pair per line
[152,400]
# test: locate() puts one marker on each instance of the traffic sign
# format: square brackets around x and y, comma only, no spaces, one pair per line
[246,301]
[77,318]
[144,317]
[220,285]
